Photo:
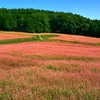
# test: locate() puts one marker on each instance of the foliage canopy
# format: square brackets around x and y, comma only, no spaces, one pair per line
[37,21]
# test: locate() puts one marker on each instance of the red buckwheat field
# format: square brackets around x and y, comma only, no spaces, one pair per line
[58,69]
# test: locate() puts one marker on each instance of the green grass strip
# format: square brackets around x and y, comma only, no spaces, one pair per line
[18,40]
[33,38]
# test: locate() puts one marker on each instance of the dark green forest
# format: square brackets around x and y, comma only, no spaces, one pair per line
[37,21]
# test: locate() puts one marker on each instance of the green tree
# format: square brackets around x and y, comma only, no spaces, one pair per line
[31,20]
[20,22]
[1,22]
[83,29]
[9,23]
[92,31]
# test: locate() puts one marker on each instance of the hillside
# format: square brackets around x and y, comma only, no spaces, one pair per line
[59,67]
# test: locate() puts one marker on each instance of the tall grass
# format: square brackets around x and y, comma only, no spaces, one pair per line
[49,71]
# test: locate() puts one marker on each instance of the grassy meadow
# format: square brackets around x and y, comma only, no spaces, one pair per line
[56,67]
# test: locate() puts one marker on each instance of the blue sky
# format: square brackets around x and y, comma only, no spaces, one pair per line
[86,8]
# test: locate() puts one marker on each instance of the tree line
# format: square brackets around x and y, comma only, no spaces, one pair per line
[37,21]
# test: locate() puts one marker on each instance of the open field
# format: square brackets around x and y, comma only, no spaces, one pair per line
[78,39]
[12,35]
[50,70]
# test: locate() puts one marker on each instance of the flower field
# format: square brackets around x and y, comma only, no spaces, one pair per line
[78,39]
[49,70]
[12,35]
